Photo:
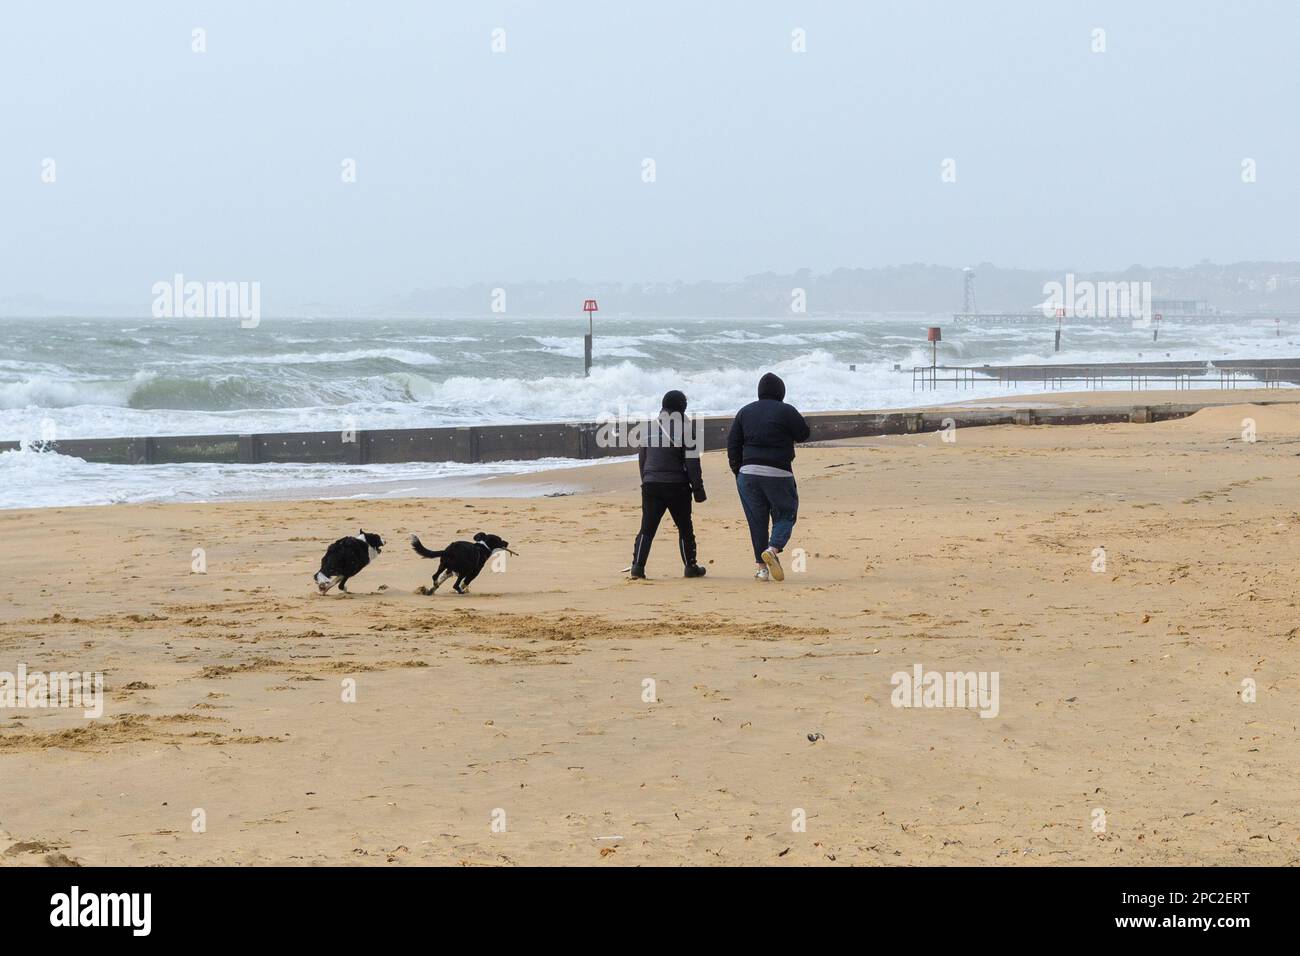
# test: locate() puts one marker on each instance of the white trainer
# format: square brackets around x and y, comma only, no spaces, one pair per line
[773,564]
[762,575]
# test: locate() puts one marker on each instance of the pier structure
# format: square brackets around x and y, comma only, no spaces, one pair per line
[1229,373]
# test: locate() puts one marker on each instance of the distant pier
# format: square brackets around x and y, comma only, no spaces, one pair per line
[1229,373]
[1037,317]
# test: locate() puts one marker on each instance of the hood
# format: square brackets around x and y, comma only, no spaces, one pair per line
[771,386]
[675,401]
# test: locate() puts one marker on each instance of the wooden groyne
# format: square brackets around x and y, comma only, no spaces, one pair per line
[572,440]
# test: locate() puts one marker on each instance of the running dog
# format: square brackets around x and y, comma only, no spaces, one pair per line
[465,559]
[346,558]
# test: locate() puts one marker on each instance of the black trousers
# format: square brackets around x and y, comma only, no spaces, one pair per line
[656,498]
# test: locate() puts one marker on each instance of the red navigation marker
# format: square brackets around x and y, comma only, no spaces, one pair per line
[590,306]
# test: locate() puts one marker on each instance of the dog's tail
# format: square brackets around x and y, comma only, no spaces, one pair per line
[422,551]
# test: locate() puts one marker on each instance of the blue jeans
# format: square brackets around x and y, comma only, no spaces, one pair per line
[763,498]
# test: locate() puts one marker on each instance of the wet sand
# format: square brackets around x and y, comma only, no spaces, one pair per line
[513,725]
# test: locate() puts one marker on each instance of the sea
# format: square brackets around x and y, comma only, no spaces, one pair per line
[100,377]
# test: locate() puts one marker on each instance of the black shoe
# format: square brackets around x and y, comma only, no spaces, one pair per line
[637,571]
[695,571]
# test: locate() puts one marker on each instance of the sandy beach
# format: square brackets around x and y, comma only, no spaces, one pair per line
[512,726]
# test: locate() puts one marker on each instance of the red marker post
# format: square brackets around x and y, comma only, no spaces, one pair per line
[590,307]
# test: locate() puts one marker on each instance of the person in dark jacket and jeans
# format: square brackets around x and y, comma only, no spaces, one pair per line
[760,450]
[670,477]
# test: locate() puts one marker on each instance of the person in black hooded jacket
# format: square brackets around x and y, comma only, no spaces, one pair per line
[670,476]
[760,450]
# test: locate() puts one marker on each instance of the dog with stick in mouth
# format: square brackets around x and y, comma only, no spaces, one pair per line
[464,559]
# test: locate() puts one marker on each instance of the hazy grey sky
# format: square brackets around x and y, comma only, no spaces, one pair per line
[482,166]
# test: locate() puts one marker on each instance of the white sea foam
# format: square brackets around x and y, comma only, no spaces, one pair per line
[31,479]
[44,391]
[405,356]
[96,378]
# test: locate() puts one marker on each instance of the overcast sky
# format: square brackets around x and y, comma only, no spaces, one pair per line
[528,164]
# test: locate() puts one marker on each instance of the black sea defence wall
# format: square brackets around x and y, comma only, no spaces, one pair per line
[577,440]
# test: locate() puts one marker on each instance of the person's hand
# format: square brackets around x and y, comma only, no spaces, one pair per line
[700,496]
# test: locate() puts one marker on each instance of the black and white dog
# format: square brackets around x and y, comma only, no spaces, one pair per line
[346,558]
[465,559]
